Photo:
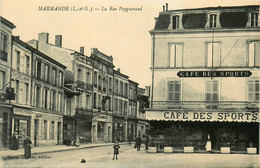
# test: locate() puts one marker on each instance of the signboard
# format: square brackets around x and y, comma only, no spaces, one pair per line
[189,74]
[203,116]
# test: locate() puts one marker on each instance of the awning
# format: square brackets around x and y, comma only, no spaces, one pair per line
[203,116]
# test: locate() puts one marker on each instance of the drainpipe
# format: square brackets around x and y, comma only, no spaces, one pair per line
[153,52]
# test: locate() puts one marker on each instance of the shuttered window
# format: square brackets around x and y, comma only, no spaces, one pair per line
[174,91]
[212,94]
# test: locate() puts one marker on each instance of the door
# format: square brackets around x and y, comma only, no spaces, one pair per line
[58,133]
[108,134]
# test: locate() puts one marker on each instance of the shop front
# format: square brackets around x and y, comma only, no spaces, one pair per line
[132,129]
[68,129]
[102,128]
[235,130]
[119,129]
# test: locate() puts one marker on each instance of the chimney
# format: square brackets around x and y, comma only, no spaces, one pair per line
[58,40]
[33,43]
[166,6]
[163,8]
[81,50]
[43,38]
[118,69]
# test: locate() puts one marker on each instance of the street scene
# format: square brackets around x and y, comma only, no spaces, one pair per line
[129,157]
[130,84]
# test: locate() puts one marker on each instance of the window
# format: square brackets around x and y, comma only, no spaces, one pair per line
[212,94]
[253,90]
[17,90]
[54,76]
[126,89]
[176,22]
[95,100]
[120,107]
[116,86]
[38,69]
[213,21]
[26,93]
[213,54]
[52,130]
[116,104]
[103,104]
[99,101]
[37,96]
[254,19]
[2,79]
[18,60]
[60,78]
[3,47]
[175,59]
[53,100]
[253,54]
[59,102]
[110,84]
[95,79]
[46,73]
[99,82]
[104,84]
[45,98]
[27,64]
[109,104]
[174,91]
[121,88]
[88,76]
[125,108]
[131,93]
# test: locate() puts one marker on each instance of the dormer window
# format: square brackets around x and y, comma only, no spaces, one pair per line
[254,19]
[213,21]
[176,22]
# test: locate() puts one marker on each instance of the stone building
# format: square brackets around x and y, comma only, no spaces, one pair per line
[6,28]
[205,77]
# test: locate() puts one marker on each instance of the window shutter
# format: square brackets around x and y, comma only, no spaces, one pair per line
[170,91]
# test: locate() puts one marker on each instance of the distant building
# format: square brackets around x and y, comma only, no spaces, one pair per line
[205,77]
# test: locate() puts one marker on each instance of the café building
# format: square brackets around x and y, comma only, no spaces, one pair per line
[205,78]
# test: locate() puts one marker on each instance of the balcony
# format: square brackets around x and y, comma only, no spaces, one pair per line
[206,105]
[80,84]
[84,86]
[3,55]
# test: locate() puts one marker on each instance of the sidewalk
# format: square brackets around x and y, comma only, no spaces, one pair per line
[49,149]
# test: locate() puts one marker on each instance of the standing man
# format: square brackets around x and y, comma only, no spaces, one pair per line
[146,142]
[27,147]
[138,143]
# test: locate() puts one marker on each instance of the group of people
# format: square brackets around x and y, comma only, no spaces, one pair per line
[75,142]
[14,144]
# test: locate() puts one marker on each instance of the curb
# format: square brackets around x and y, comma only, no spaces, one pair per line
[62,150]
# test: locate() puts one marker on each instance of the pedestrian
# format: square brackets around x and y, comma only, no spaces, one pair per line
[138,142]
[116,150]
[77,141]
[146,142]
[208,145]
[27,147]
[129,139]
[14,143]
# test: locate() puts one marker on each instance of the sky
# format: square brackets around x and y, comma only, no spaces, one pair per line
[124,35]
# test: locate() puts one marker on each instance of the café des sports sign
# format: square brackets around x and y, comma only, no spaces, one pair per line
[189,74]
[203,116]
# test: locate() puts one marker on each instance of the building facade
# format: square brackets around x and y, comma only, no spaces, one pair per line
[205,77]
[6,28]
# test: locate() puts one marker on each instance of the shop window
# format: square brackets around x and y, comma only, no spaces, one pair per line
[254,19]
[213,54]
[253,54]
[175,22]
[253,91]
[176,55]
[212,94]
[174,91]
[3,47]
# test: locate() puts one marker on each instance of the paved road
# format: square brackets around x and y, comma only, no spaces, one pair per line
[101,157]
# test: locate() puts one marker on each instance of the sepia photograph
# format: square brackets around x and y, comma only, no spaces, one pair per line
[129,84]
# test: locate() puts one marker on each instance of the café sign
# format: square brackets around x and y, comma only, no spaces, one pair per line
[188,74]
[203,116]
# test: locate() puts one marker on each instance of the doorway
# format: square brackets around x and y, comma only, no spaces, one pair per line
[36,127]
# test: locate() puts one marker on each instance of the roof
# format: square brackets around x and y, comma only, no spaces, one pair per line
[130,81]
[120,74]
[7,23]
[17,39]
[163,21]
